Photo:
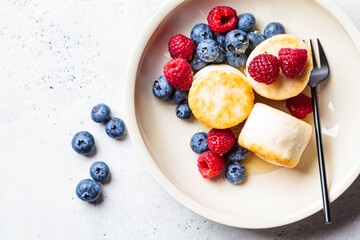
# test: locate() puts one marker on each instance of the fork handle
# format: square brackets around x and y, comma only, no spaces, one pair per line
[320,152]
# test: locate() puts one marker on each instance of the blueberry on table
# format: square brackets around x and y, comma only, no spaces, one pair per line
[196,63]
[115,128]
[255,38]
[162,89]
[208,50]
[198,142]
[246,22]
[88,190]
[178,96]
[83,142]
[183,111]
[236,59]
[235,173]
[100,113]
[99,171]
[237,153]
[201,32]
[236,41]
[273,29]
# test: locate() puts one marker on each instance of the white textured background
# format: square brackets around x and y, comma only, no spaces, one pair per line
[57,60]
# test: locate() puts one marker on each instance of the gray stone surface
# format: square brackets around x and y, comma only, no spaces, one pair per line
[55,58]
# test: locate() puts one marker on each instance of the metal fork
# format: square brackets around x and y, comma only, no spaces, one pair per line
[319,74]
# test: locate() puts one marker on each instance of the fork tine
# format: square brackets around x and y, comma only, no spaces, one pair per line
[323,60]
[313,54]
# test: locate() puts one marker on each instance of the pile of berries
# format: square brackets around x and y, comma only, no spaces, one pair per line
[227,38]
[265,68]
[83,143]
[216,148]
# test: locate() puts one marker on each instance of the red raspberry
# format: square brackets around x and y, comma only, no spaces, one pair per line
[264,68]
[222,19]
[179,74]
[220,141]
[299,106]
[292,61]
[210,164]
[181,46]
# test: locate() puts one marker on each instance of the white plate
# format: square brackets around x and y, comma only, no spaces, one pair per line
[264,200]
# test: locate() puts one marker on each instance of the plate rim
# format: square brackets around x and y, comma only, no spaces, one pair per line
[160,177]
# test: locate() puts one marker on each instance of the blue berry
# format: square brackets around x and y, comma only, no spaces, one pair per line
[83,142]
[220,38]
[196,63]
[246,22]
[236,41]
[88,190]
[183,111]
[208,50]
[255,38]
[235,173]
[201,32]
[198,142]
[178,96]
[221,57]
[100,113]
[237,153]
[161,88]
[273,29]
[115,128]
[99,171]
[236,59]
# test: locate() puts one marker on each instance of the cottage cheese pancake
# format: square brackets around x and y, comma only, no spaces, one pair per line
[220,96]
[275,136]
[283,87]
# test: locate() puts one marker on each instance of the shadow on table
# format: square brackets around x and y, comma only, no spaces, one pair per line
[344,211]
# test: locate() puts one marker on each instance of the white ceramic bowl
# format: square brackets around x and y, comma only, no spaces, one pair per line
[264,200]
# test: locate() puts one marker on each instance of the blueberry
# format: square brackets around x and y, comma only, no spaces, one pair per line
[236,41]
[221,57]
[208,50]
[201,32]
[161,88]
[237,153]
[178,96]
[246,22]
[100,113]
[99,171]
[273,29]
[83,142]
[236,59]
[220,38]
[255,38]
[198,142]
[196,63]
[88,190]
[235,173]
[115,128]
[183,111]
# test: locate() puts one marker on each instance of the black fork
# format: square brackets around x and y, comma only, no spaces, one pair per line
[319,74]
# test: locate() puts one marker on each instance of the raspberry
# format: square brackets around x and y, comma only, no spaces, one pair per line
[292,61]
[181,46]
[220,141]
[210,164]
[222,19]
[299,106]
[264,68]
[178,73]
